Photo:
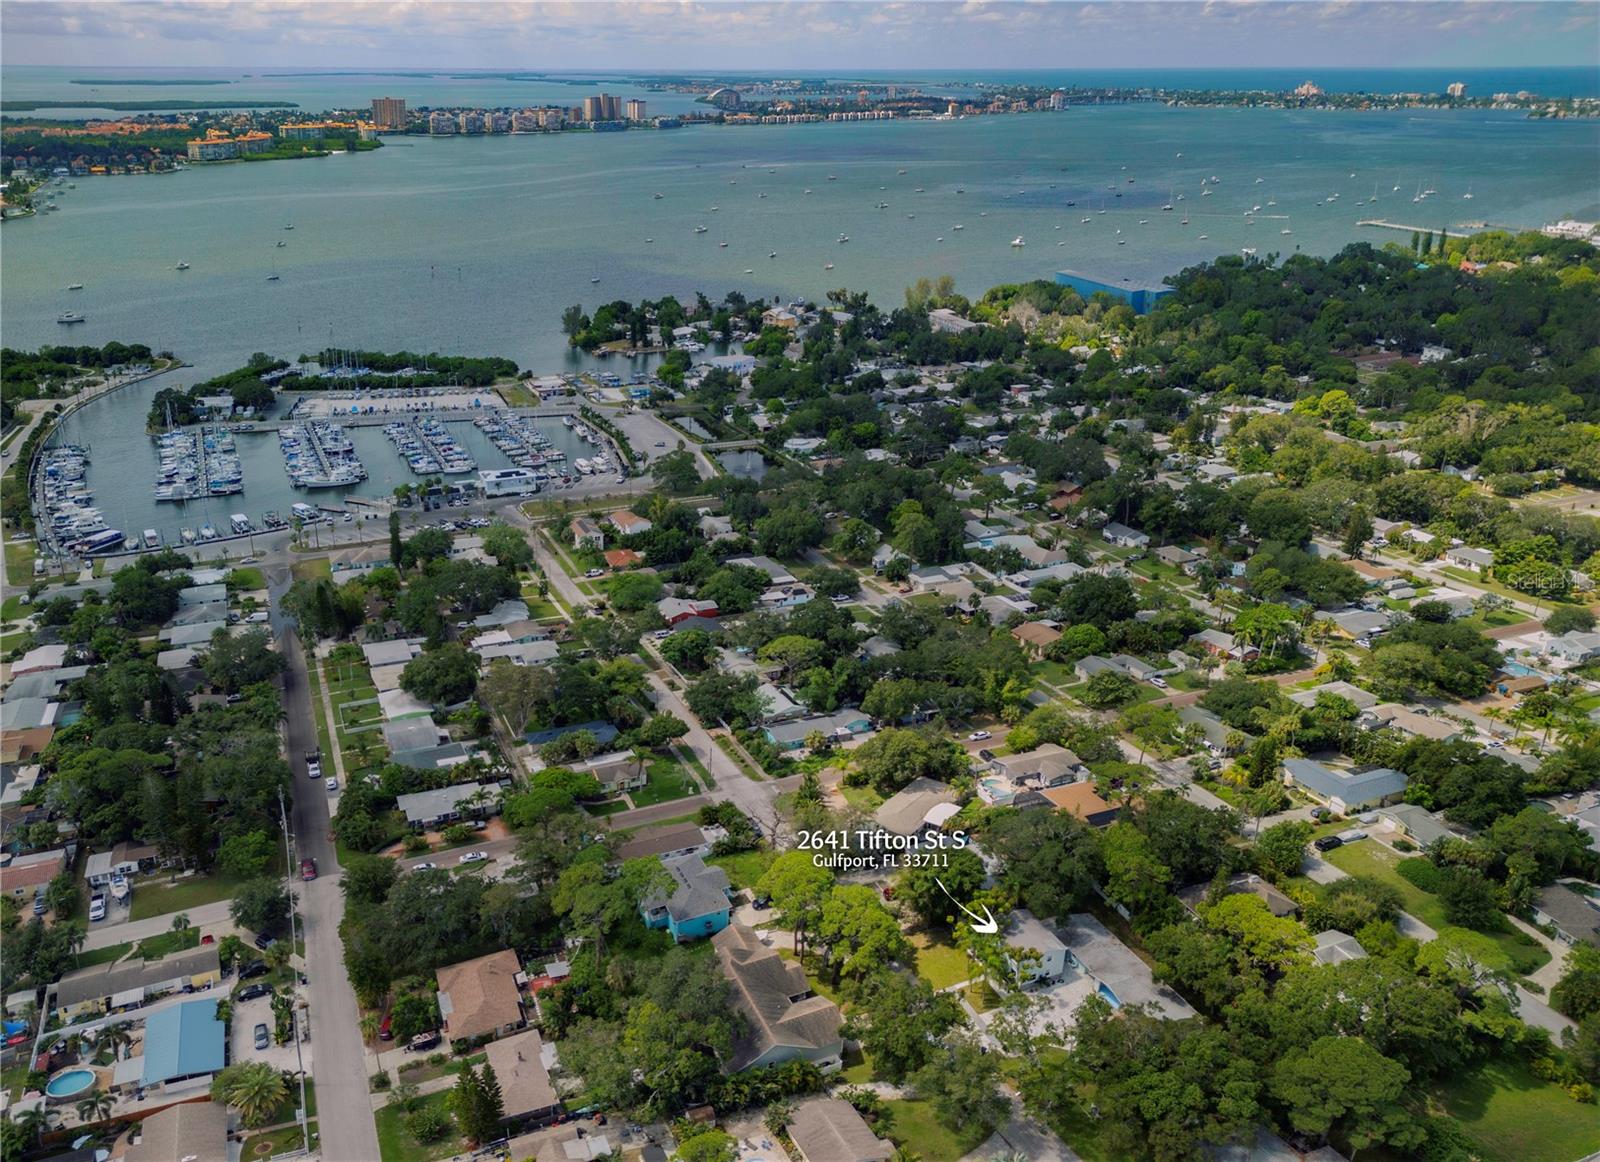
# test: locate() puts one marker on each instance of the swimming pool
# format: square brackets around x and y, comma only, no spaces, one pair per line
[1518,669]
[70,1083]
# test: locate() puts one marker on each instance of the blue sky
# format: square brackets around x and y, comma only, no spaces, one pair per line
[769,35]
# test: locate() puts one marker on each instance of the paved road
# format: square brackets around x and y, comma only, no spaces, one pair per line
[339,1063]
[199,917]
[753,798]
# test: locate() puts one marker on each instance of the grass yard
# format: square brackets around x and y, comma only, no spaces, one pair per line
[725,744]
[863,799]
[744,868]
[395,1143]
[684,754]
[103,955]
[517,396]
[1515,1117]
[858,1068]
[259,1146]
[19,563]
[154,947]
[245,579]
[610,807]
[688,818]
[1508,950]
[155,898]
[667,781]
[939,962]
[914,1124]
[311,569]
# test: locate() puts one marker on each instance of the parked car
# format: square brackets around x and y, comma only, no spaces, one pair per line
[1159,683]
[263,1039]
[254,969]
[333,783]
[978,736]
[308,869]
[1351,836]
[425,865]
[475,857]
[423,1041]
[1327,843]
[384,1032]
[264,941]
[97,907]
[1320,812]
[251,991]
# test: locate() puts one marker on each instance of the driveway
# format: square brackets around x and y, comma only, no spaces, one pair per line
[241,1038]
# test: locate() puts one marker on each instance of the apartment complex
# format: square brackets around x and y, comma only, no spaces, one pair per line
[389,112]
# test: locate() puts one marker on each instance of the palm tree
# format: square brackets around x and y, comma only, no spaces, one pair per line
[180,922]
[115,1038]
[96,1107]
[34,1122]
[253,1088]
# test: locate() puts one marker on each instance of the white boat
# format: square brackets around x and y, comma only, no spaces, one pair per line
[827,266]
[74,286]
[70,317]
[844,238]
[1017,242]
[700,229]
[772,254]
[152,539]
[657,197]
[119,887]
[182,266]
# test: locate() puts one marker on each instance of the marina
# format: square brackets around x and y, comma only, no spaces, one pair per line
[320,455]
[195,464]
[427,446]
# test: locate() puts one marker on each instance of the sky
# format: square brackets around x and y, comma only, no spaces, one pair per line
[777,35]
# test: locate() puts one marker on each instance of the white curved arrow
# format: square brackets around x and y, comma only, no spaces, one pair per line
[985,925]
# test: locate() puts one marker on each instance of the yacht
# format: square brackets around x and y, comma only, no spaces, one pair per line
[1203,237]
[831,178]
[74,286]
[282,243]
[1017,242]
[1467,197]
[69,317]
[844,238]
[290,226]
[722,244]
[1286,230]
[958,226]
[596,278]
[658,197]
[182,266]
[272,277]
[772,254]
[827,266]
[700,229]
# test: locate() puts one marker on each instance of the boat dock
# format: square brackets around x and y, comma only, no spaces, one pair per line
[220,470]
[428,448]
[1463,227]
[319,455]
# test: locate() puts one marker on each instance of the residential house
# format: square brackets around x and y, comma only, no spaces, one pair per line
[779,707]
[667,842]
[1136,668]
[1575,647]
[526,1093]
[836,727]
[698,903]
[1277,903]
[1034,554]
[587,533]
[1120,977]
[182,1041]
[1212,729]
[1027,578]
[1574,918]
[1035,637]
[921,804]
[391,653]
[1417,824]
[1082,800]
[1046,765]
[675,609]
[192,1131]
[426,810]
[1178,558]
[1336,947]
[776,573]
[621,558]
[412,733]
[125,859]
[629,523]
[1402,718]
[481,998]
[716,528]
[128,984]
[1353,694]
[1094,665]
[26,876]
[1515,686]
[203,595]
[616,771]
[1027,933]
[1223,645]
[1360,623]
[1120,534]
[784,1019]
[1466,557]
[828,1129]
[1345,791]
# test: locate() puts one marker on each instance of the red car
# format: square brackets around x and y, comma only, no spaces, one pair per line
[308,869]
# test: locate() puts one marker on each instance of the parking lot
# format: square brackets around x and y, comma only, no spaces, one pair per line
[241,1038]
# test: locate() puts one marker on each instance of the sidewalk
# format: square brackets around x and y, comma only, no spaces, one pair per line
[134,930]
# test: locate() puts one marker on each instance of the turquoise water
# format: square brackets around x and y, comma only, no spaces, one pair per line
[70,1083]
[476,245]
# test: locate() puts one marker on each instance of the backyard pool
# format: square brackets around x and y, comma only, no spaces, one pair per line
[70,1083]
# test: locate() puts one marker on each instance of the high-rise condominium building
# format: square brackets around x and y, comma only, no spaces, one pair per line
[389,112]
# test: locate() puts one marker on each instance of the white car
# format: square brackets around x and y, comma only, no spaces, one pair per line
[978,736]
[333,783]
[594,573]
[1159,683]
[475,857]
[97,908]
[425,865]
[314,770]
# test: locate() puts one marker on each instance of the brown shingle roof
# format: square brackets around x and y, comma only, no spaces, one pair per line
[827,1129]
[193,1132]
[519,1067]
[480,996]
[764,985]
[1077,799]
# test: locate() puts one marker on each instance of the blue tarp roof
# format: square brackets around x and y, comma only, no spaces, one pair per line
[183,1041]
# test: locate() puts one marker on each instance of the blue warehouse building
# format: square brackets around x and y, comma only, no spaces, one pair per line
[1141,298]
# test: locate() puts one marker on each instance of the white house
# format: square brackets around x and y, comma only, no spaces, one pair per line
[1121,534]
[1027,933]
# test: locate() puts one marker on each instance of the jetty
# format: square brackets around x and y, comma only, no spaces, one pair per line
[1463,227]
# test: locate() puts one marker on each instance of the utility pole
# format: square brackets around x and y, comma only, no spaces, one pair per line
[294,1011]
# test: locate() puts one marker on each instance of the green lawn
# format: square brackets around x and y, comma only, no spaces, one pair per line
[861,798]
[744,868]
[396,1145]
[611,807]
[103,955]
[259,1146]
[154,947]
[914,1124]
[158,898]
[311,569]
[858,1068]
[1508,950]
[939,962]
[246,579]
[19,563]
[668,781]
[1515,1117]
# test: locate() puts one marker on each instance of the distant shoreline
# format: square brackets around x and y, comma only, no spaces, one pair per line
[19,105]
[149,81]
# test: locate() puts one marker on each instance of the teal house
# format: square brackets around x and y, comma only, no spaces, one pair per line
[185,1040]
[696,905]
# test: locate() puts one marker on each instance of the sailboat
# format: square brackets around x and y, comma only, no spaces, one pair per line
[1467,197]
[1168,206]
